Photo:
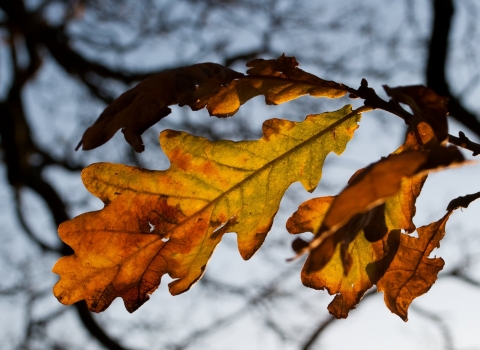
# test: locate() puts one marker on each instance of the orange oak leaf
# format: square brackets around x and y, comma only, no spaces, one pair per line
[370,188]
[412,272]
[373,185]
[279,80]
[220,89]
[425,104]
[347,288]
[158,222]
[358,231]
[369,240]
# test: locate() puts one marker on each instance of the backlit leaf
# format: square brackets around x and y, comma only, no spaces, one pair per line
[358,232]
[412,272]
[375,184]
[370,240]
[139,108]
[348,289]
[278,80]
[158,222]
[425,104]
[221,89]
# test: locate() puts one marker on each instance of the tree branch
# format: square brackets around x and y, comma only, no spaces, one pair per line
[23,223]
[462,201]
[376,102]
[443,11]
[307,345]
[95,330]
[464,142]
[447,334]
[18,146]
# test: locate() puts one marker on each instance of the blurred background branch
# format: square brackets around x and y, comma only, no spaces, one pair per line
[62,61]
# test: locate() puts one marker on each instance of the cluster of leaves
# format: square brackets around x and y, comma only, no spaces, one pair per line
[158,222]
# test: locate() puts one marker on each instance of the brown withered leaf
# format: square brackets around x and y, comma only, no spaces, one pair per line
[369,188]
[158,222]
[358,231]
[139,108]
[412,272]
[220,89]
[370,239]
[425,104]
[379,181]
[279,80]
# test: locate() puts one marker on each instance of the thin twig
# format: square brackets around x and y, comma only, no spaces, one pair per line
[376,102]
[325,323]
[464,142]
[462,201]
[439,321]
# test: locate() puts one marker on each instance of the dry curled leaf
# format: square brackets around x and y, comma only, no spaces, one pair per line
[279,80]
[370,188]
[220,89]
[357,233]
[347,288]
[425,104]
[139,108]
[370,240]
[412,272]
[381,180]
[158,222]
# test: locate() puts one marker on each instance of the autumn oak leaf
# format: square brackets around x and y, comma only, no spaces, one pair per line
[279,80]
[159,222]
[370,240]
[373,185]
[347,288]
[358,232]
[425,104]
[139,108]
[412,272]
[220,89]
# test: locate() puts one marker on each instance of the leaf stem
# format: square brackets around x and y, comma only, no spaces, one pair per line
[462,201]
[376,102]
[464,142]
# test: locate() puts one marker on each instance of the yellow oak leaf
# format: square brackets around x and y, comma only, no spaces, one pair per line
[158,222]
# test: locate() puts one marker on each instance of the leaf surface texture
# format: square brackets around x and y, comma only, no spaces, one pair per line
[158,222]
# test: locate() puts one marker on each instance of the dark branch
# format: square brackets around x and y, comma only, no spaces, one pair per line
[376,102]
[18,146]
[457,273]
[446,332]
[23,223]
[443,11]
[317,332]
[464,142]
[95,330]
[462,201]
[325,324]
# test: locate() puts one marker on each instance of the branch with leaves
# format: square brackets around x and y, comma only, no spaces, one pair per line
[169,222]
